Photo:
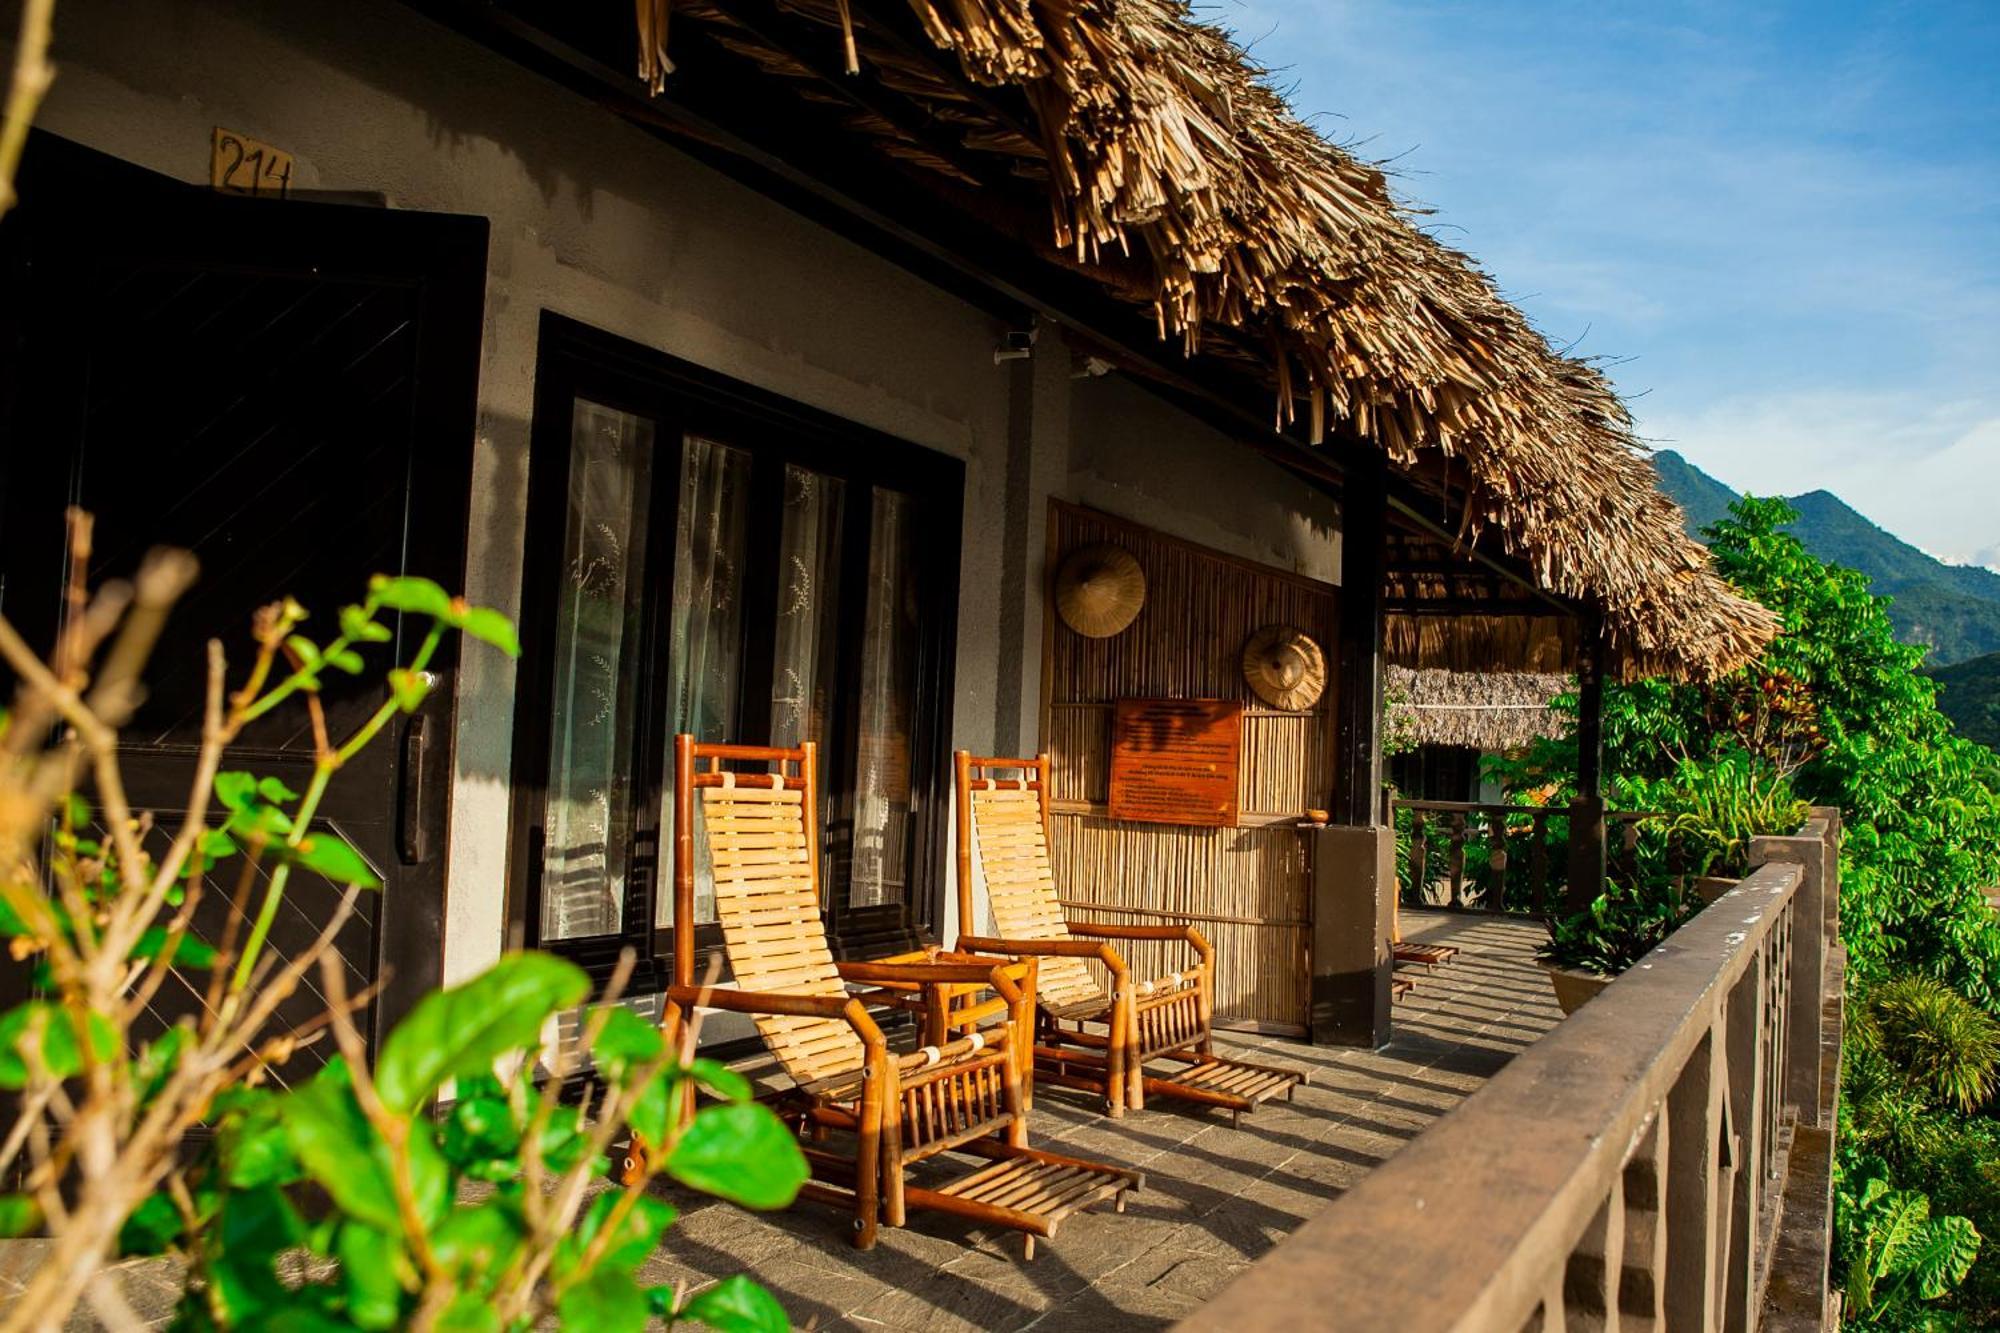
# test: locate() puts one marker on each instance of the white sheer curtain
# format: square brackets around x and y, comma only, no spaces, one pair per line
[879,871]
[587,813]
[705,656]
[802,669]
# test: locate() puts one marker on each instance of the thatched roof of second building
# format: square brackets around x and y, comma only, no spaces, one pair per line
[1180,180]
[1494,711]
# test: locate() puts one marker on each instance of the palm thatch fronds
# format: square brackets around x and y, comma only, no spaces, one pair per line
[1179,178]
[1494,711]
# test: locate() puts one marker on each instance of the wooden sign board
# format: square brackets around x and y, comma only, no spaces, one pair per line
[1174,761]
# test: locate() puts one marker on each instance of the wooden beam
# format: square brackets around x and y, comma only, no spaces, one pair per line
[1357,793]
[1587,851]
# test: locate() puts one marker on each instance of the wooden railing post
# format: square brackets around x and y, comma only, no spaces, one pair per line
[1817,852]
[1743,1022]
[1587,852]
[1695,1125]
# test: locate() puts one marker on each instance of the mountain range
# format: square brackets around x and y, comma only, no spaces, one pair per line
[1954,610]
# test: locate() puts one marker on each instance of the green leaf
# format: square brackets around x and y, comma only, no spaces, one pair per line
[721,1080]
[638,1233]
[76,811]
[737,1305]
[360,627]
[371,1266]
[152,1228]
[330,855]
[339,1148]
[236,791]
[563,1141]
[254,1145]
[490,626]
[61,1052]
[605,1302]
[626,1040]
[740,1152]
[346,659]
[306,651]
[654,1109]
[190,952]
[468,1313]
[160,1058]
[19,1215]
[464,1029]
[276,792]
[11,923]
[409,688]
[482,1129]
[410,594]
[216,844]
[478,1242]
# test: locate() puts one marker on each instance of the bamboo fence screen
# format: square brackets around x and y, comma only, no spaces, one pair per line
[1247,888]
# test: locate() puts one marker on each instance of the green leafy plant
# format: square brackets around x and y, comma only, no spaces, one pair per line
[1946,1049]
[1714,808]
[1619,927]
[398,1239]
[1899,1256]
[349,1169]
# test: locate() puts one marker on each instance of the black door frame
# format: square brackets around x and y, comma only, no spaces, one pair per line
[576,360]
[122,209]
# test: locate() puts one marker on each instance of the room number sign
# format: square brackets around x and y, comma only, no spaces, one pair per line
[239,164]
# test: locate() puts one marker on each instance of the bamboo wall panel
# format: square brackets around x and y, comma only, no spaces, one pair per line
[1246,888]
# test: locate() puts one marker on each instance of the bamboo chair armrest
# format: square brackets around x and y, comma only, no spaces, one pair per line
[782,1002]
[1003,976]
[1109,931]
[912,1065]
[1102,952]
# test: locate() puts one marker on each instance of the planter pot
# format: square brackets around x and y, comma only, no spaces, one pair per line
[1710,887]
[1574,988]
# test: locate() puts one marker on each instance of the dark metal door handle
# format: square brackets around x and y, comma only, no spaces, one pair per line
[413,838]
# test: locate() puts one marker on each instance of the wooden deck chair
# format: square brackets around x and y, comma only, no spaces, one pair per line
[966,1093]
[1087,1036]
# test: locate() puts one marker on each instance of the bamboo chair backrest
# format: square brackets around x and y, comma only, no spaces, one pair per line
[1008,823]
[761,832]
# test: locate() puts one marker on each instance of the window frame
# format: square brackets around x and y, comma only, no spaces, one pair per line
[576,361]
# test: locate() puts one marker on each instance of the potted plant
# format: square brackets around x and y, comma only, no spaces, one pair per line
[1586,952]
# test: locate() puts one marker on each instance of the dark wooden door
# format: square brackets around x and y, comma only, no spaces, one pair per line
[288,389]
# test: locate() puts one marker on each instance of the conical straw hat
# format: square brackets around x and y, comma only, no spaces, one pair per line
[1099,590]
[1284,667]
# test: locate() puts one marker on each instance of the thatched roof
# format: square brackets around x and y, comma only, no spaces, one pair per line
[1180,180]
[1493,710]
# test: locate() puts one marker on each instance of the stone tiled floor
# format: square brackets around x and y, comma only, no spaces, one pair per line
[1216,1197]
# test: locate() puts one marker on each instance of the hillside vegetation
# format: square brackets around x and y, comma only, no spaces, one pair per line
[1954,610]
[1969,694]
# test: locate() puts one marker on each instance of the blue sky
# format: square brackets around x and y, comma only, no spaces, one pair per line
[1783,220]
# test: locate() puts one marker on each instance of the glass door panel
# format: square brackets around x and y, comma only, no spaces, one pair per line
[596,657]
[880,863]
[705,654]
[805,640]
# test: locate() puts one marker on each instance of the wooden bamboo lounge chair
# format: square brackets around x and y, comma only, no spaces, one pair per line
[1089,1037]
[967,1093]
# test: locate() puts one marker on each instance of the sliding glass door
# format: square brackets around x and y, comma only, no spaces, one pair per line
[705,558]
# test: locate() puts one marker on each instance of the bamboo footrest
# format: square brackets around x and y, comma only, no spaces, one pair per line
[1427,955]
[1028,1191]
[1230,1083]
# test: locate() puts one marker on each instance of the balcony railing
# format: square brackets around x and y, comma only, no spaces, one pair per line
[1495,858]
[1654,1160]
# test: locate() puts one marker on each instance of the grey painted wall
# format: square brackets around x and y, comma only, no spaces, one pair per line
[598,221]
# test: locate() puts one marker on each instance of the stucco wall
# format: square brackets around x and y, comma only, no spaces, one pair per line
[1135,455]
[593,219]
